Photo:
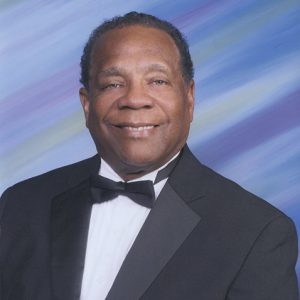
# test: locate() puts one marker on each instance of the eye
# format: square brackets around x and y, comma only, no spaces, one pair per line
[109,86]
[160,82]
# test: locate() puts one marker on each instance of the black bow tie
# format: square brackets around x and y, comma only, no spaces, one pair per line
[104,189]
[142,192]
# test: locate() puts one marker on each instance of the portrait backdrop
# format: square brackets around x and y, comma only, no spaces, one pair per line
[247,72]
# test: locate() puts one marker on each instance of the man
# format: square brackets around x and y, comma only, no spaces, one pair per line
[73,233]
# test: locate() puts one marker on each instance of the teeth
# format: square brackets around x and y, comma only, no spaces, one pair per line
[139,128]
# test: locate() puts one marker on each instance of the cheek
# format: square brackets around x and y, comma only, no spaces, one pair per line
[180,124]
[98,111]
[92,119]
[95,123]
[178,111]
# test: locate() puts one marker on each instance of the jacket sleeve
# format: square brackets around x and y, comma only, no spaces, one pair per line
[268,272]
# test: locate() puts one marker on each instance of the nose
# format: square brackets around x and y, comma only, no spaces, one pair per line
[135,98]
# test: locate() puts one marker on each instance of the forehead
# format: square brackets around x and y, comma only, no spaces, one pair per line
[125,42]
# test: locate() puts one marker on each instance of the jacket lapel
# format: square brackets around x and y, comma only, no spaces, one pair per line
[69,230]
[167,226]
[70,216]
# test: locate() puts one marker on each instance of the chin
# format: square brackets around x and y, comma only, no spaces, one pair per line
[141,159]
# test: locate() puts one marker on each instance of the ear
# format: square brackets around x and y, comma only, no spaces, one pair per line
[191,98]
[85,102]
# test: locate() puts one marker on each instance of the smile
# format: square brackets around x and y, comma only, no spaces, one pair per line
[135,130]
[139,128]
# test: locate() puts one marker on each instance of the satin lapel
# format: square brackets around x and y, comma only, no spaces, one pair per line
[70,222]
[167,226]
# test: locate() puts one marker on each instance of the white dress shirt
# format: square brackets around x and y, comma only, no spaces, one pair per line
[113,228]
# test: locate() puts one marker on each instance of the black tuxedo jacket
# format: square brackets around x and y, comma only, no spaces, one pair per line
[206,238]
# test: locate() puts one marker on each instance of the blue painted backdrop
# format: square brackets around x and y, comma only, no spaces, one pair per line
[247,63]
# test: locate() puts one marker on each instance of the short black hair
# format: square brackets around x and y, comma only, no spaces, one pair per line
[135,18]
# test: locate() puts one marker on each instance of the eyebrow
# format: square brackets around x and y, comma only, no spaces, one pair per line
[117,71]
[113,71]
[157,67]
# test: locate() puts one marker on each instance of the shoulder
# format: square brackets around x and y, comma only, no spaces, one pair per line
[38,189]
[57,178]
[214,196]
[232,198]
[234,217]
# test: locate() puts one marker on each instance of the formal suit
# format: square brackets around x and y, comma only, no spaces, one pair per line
[206,238]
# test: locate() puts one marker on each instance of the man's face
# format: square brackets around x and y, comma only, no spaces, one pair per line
[138,107]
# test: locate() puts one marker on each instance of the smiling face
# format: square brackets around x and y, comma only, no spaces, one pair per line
[138,107]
